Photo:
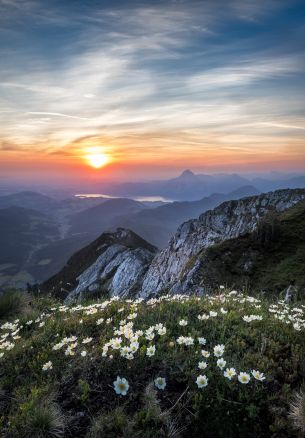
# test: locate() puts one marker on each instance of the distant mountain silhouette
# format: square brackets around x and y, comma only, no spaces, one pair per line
[22,231]
[102,217]
[186,187]
[157,225]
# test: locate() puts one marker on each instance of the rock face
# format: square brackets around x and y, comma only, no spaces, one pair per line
[119,269]
[175,269]
[114,263]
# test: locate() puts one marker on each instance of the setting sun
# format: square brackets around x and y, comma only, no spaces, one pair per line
[97,159]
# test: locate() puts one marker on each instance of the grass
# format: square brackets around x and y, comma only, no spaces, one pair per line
[12,303]
[76,392]
[270,258]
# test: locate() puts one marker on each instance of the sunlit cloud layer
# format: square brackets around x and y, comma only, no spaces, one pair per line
[147,81]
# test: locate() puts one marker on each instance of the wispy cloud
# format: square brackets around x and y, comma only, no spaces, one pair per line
[162,77]
[246,72]
[44,113]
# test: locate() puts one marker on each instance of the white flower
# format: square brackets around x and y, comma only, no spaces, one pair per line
[7,345]
[185,340]
[223,311]
[205,353]
[221,287]
[125,350]
[1,355]
[105,350]
[244,378]
[257,375]
[149,335]
[221,363]
[116,343]
[202,365]
[87,340]
[129,356]
[100,321]
[229,373]
[219,350]
[29,322]
[202,341]
[47,366]
[183,322]
[203,317]
[160,382]
[42,324]
[162,331]
[213,314]
[121,386]
[202,381]
[84,353]
[250,318]
[58,346]
[151,351]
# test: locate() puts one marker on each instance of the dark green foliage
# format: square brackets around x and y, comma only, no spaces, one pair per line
[12,303]
[269,259]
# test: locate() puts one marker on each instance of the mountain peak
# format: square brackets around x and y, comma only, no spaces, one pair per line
[187,174]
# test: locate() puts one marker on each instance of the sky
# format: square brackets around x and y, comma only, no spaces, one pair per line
[153,86]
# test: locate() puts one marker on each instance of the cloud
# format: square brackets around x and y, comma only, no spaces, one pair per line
[44,113]
[245,72]
[159,77]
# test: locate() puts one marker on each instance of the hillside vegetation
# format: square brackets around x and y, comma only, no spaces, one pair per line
[227,365]
[270,258]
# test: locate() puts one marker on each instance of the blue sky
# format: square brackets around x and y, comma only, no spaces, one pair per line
[210,84]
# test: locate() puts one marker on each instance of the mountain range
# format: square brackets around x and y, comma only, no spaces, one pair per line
[235,239]
[189,186]
[48,231]
[76,222]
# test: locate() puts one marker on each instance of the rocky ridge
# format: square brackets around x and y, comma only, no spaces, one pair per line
[114,263]
[122,263]
[175,269]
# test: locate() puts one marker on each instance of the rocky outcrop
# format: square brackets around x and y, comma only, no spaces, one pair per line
[175,269]
[115,264]
[119,270]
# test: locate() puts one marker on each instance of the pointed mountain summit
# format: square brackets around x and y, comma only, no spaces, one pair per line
[187,174]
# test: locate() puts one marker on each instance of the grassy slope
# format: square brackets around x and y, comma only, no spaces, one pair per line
[276,259]
[81,387]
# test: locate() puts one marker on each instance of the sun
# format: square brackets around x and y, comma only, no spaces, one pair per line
[97,159]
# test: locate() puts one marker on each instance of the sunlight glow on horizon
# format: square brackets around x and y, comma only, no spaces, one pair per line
[96,158]
[156,88]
